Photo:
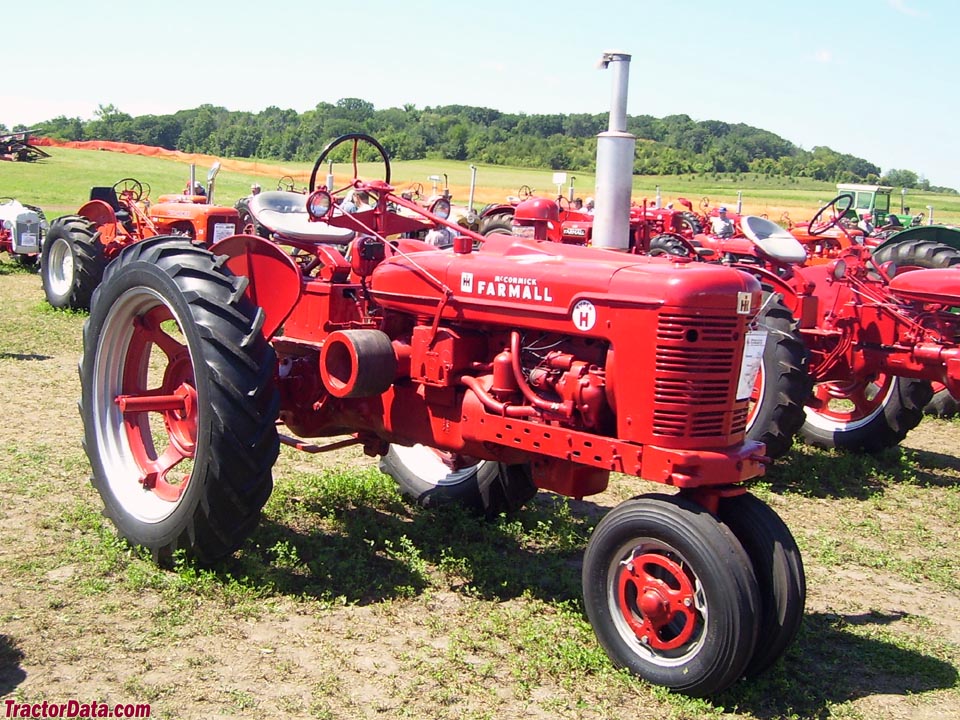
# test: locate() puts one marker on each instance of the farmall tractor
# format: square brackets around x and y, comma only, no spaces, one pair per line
[510,363]
[80,246]
[22,230]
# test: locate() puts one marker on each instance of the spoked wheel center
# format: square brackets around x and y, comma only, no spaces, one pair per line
[657,600]
[853,401]
[159,418]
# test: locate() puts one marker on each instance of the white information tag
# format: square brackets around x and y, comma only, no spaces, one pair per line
[756,341]
[223,230]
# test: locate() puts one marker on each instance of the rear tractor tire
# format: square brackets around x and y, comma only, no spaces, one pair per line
[72,262]
[865,416]
[783,383]
[178,401]
[425,476]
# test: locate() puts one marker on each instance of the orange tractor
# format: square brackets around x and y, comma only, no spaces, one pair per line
[78,247]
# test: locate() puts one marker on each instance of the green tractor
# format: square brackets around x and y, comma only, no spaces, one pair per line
[874,200]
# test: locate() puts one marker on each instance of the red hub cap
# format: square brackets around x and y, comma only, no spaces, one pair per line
[656,598]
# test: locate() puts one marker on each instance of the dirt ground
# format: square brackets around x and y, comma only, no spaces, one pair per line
[59,642]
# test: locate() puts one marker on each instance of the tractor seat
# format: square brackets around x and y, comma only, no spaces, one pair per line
[285,213]
[773,240]
[106,194]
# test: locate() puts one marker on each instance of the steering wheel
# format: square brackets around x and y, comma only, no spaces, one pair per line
[356,139]
[838,208]
[129,186]
[286,183]
[704,203]
[524,192]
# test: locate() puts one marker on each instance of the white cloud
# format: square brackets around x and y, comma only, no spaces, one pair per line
[901,7]
[823,56]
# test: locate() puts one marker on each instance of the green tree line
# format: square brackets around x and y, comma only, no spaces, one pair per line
[671,145]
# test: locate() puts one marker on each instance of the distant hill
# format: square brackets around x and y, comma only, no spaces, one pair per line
[672,145]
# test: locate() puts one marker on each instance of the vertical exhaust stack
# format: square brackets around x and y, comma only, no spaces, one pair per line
[615,148]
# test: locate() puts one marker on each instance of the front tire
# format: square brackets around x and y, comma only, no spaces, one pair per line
[72,262]
[178,401]
[779,572]
[425,477]
[671,594]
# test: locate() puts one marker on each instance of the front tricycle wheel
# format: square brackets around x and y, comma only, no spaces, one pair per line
[178,401]
[671,594]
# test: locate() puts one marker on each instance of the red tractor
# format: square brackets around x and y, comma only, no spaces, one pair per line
[877,335]
[489,369]
[878,338]
[78,247]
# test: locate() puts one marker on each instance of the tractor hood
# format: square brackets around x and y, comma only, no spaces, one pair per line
[550,286]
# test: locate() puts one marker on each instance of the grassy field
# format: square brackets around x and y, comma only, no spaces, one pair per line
[62,183]
[348,602]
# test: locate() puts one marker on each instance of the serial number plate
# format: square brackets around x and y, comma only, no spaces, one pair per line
[223,230]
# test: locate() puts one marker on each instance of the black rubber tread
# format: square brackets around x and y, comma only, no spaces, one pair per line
[237,440]
[490,490]
[501,223]
[942,404]
[89,261]
[901,413]
[919,254]
[667,244]
[692,222]
[778,414]
[711,552]
[778,567]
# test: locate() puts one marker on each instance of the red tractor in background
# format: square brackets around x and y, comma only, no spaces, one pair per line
[78,247]
[859,289]
[867,337]
[509,364]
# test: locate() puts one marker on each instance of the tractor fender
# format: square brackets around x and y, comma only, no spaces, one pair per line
[943,234]
[98,212]
[273,277]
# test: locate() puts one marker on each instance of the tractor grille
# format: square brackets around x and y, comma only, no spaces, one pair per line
[695,376]
[28,227]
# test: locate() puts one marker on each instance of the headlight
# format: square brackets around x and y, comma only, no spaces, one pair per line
[319,204]
[441,208]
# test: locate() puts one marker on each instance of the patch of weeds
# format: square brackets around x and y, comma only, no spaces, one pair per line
[815,473]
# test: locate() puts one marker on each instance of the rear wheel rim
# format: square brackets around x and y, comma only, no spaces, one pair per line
[832,400]
[145,405]
[60,273]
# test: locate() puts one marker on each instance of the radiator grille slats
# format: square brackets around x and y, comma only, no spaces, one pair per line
[695,377]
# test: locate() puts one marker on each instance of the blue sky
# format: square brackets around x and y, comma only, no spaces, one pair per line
[873,78]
